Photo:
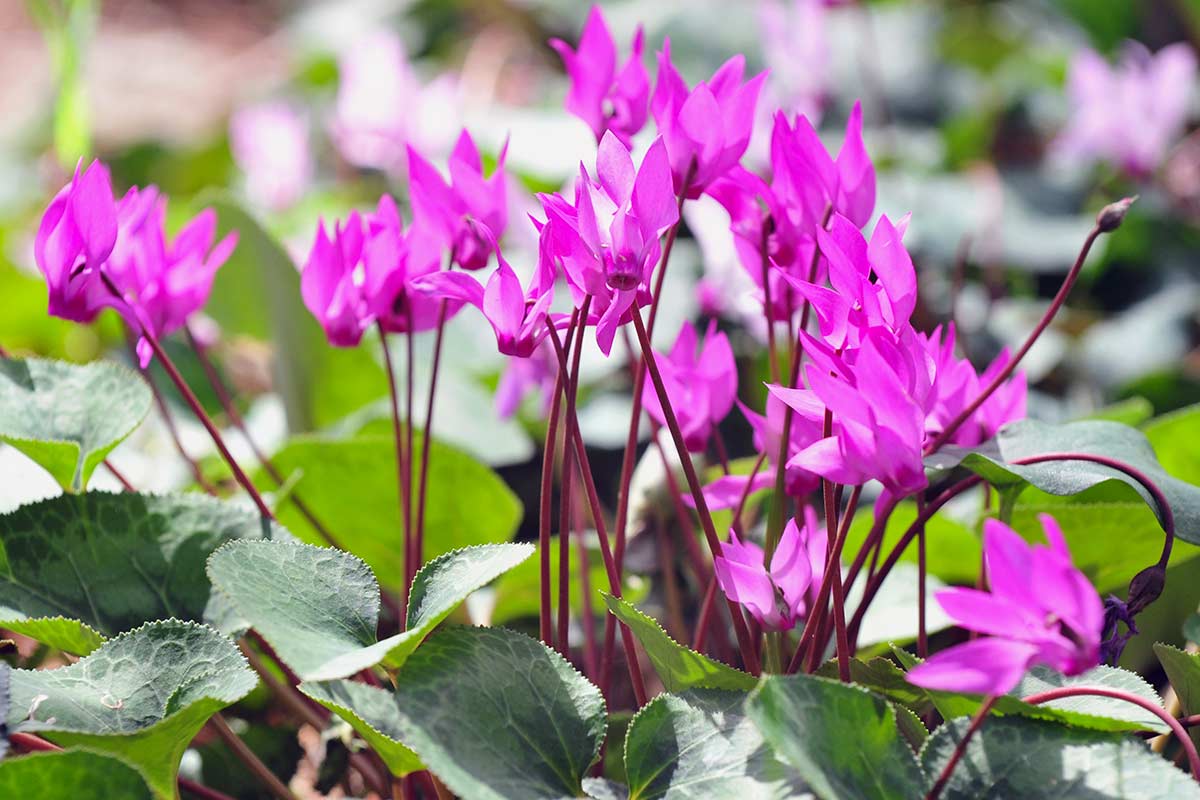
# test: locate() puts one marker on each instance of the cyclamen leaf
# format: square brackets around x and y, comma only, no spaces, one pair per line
[698,745]
[141,697]
[1183,671]
[842,739]
[354,483]
[494,714]
[69,417]
[319,607]
[71,775]
[678,667]
[77,568]
[1040,760]
[371,712]
[1027,438]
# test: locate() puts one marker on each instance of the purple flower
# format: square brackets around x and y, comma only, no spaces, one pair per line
[470,212]
[779,595]
[605,99]
[701,382]
[270,143]
[796,47]
[331,282]
[1040,610]
[76,235]
[1128,114]
[707,127]
[608,241]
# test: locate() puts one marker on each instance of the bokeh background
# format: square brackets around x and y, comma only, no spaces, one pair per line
[964,103]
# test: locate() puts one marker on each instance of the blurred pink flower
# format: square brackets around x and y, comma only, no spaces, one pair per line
[1128,114]
[1040,610]
[605,99]
[270,144]
[524,375]
[796,47]
[701,382]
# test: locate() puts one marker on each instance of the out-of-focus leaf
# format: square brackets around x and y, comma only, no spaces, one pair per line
[71,775]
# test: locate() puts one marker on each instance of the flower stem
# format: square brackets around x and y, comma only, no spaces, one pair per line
[961,748]
[252,762]
[427,441]
[545,500]
[1180,732]
[404,497]
[414,554]
[573,339]
[922,635]
[749,656]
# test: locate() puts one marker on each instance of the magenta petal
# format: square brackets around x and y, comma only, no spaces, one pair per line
[654,202]
[984,666]
[749,586]
[614,168]
[986,613]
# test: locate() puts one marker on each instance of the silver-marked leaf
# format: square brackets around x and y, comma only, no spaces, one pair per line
[842,739]
[1040,760]
[142,696]
[678,667]
[71,775]
[1028,438]
[110,562]
[698,745]
[319,607]
[494,714]
[68,417]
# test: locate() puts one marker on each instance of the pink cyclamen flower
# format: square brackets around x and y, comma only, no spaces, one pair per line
[701,383]
[331,282]
[778,595]
[523,376]
[956,384]
[76,235]
[1040,610]
[269,142]
[470,212]
[796,48]
[1128,114]
[608,241]
[706,129]
[605,99]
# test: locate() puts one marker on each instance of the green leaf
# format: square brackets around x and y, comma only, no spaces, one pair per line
[110,562]
[678,667]
[1173,437]
[494,714]
[700,744]
[882,676]
[71,775]
[352,485]
[372,713]
[1039,760]
[69,417]
[1027,438]
[1130,411]
[1183,671]
[142,696]
[842,739]
[319,607]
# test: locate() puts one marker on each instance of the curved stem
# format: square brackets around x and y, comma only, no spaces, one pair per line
[1180,732]
[398,435]
[252,762]
[1011,367]
[960,748]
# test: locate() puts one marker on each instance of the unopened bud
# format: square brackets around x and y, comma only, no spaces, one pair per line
[1113,214]
[1145,588]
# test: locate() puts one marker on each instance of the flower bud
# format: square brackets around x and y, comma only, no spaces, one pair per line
[1113,214]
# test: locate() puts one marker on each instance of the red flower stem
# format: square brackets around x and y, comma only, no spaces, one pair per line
[1011,367]
[719,447]
[706,615]
[398,434]
[585,472]
[961,748]
[545,511]
[1180,732]
[230,408]
[590,649]
[666,564]
[871,545]
[832,586]
[567,495]
[190,398]
[922,635]
[772,352]
[427,441]
[125,484]
[251,761]
[749,656]
[414,555]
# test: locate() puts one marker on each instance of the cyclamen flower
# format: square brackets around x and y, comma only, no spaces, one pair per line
[779,595]
[331,282]
[1040,610]
[957,384]
[1128,114]
[270,143]
[605,99]
[701,383]
[705,129]
[608,241]
[470,212]
[796,48]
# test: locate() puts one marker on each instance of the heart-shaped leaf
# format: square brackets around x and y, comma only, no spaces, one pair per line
[1040,760]
[142,696]
[494,714]
[1030,438]
[69,417]
[71,775]
[319,607]
[678,667]
[699,745]
[107,563]
[352,484]
[842,739]
[372,714]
